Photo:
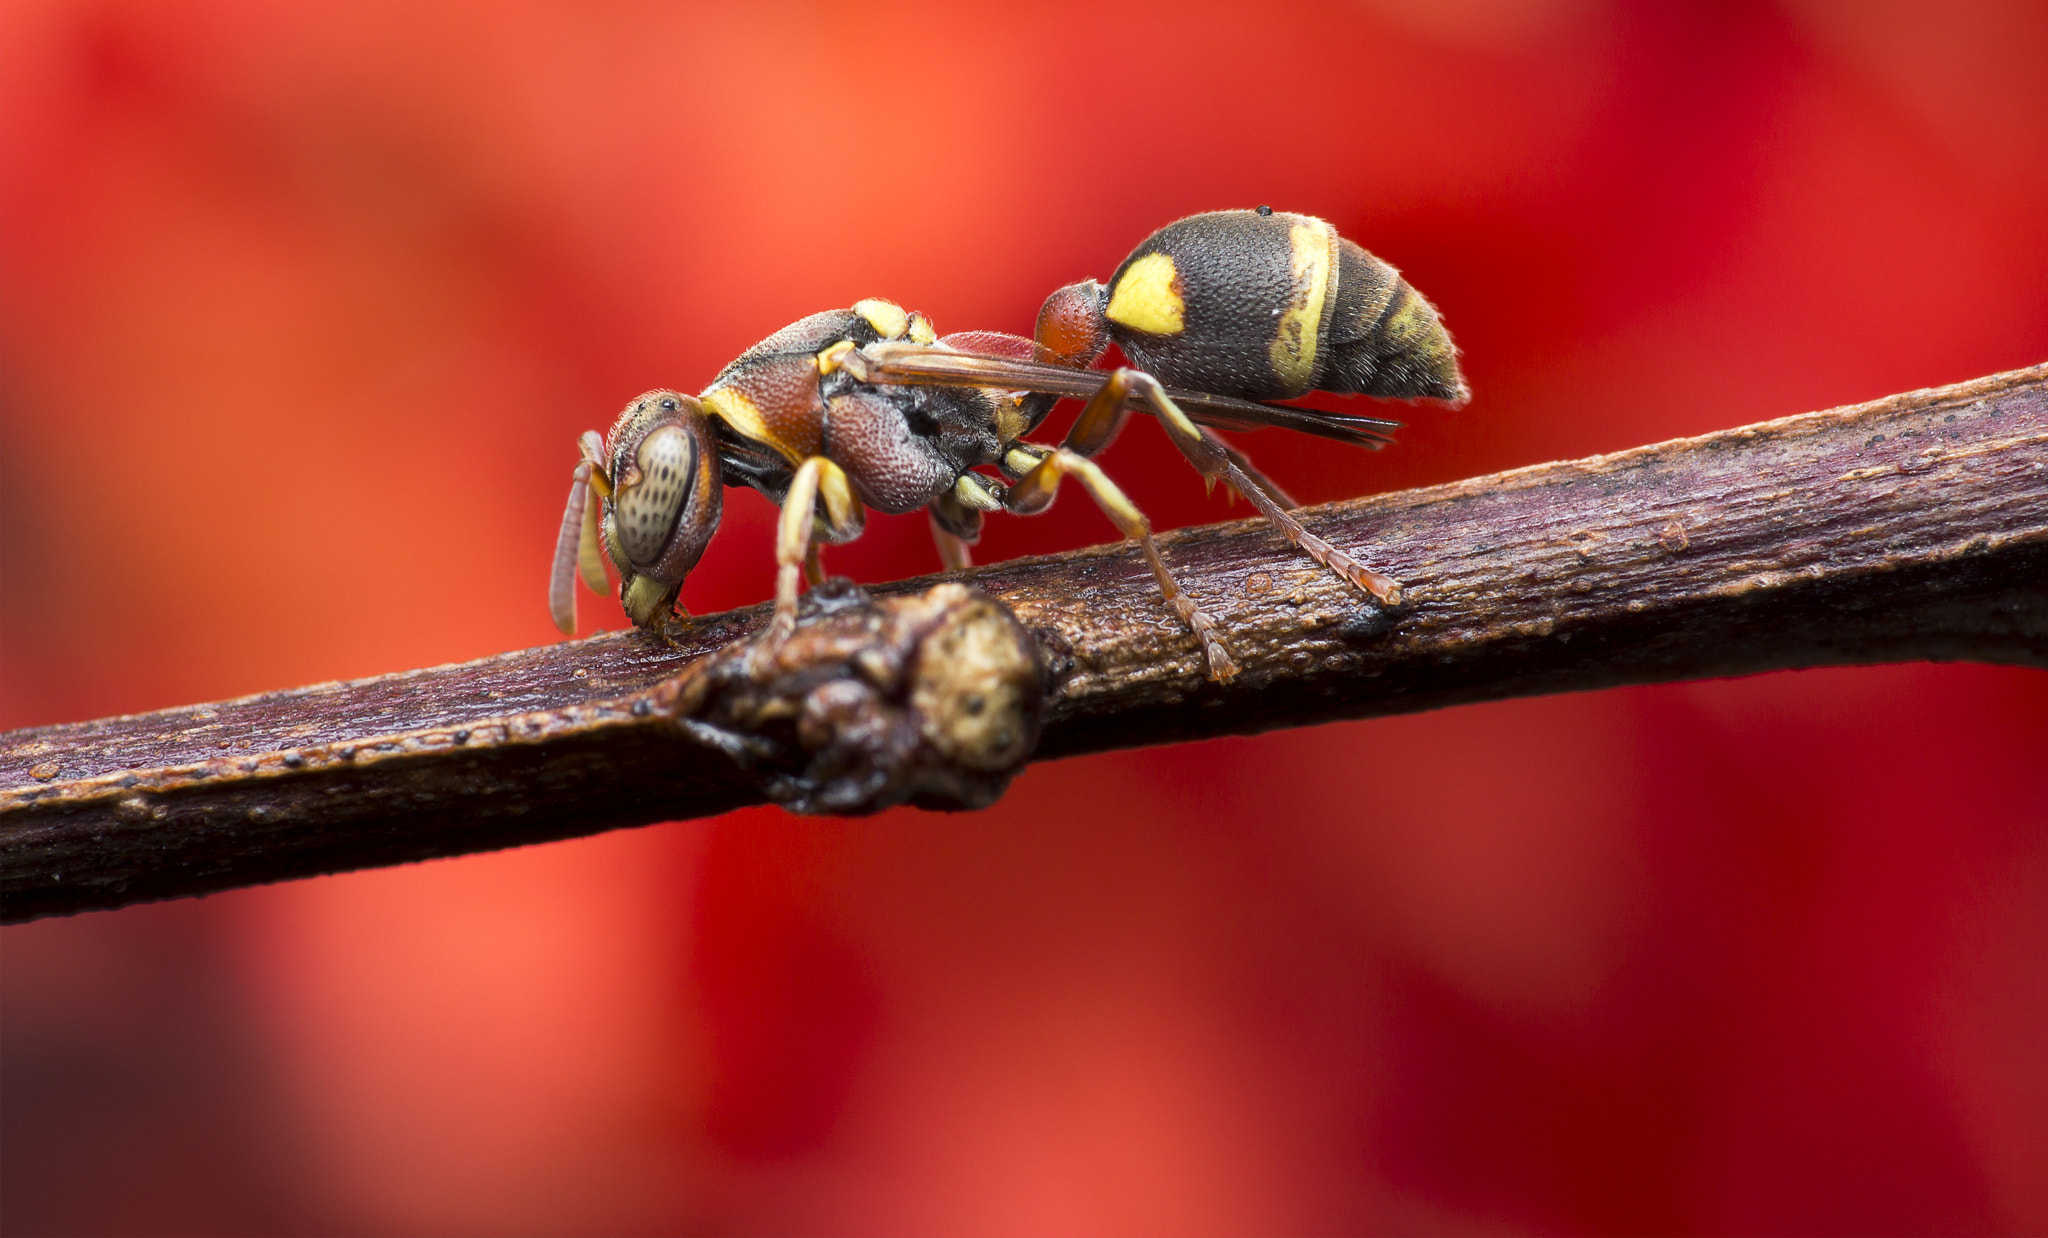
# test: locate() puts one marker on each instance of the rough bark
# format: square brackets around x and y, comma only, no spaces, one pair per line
[1914,527]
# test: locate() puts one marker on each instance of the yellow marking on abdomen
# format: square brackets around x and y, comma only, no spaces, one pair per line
[1146,300]
[1311,254]
[1414,326]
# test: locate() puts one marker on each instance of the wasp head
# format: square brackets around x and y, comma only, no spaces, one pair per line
[648,494]
[664,503]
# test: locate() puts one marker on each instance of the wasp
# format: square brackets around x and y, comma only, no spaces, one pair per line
[1220,315]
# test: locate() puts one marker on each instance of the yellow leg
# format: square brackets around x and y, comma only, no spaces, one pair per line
[795,552]
[1035,493]
[1202,449]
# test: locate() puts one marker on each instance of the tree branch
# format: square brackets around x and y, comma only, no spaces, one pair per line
[1915,527]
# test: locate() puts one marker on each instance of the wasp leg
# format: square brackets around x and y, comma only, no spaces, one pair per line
[955,529]
[1103,417]
[1101,420]
[956,552]
[956,517]
[1216,459]
[1204,451]
[1253,472]
[1382,587]
[795,549]
[1034,493]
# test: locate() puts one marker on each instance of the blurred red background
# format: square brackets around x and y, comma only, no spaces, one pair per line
[301,309]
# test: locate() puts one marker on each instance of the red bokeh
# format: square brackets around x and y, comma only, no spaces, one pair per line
[301,309]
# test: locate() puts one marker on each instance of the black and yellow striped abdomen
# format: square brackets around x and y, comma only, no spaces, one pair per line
[1268,305]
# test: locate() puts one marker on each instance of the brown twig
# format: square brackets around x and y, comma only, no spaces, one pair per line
[1914,527]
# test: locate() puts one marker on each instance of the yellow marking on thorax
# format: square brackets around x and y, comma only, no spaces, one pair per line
[1146,300]
[1312,253]
[832,358]
[737,411]
[886,317]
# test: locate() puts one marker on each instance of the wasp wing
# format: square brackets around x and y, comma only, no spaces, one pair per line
[1000,344]
[903,364]
[1225,413]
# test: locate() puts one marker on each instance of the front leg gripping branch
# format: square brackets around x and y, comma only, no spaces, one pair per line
[795,549]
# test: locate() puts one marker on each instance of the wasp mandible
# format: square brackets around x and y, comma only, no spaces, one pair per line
[1219,314]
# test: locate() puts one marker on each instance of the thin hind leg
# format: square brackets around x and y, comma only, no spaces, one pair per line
[1216,459]
[1034,493]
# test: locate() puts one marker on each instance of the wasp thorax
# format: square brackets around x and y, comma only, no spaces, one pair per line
[649,498]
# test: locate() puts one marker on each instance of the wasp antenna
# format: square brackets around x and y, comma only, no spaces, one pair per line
[562,576]
[592,447]
[589,551]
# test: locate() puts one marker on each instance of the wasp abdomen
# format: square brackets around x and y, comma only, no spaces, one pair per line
[1268,306]
[1384,338]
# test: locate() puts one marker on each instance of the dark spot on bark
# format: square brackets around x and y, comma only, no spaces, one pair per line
[1055,652]
[1367,624]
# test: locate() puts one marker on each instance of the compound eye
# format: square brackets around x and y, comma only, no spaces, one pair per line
[646,510]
